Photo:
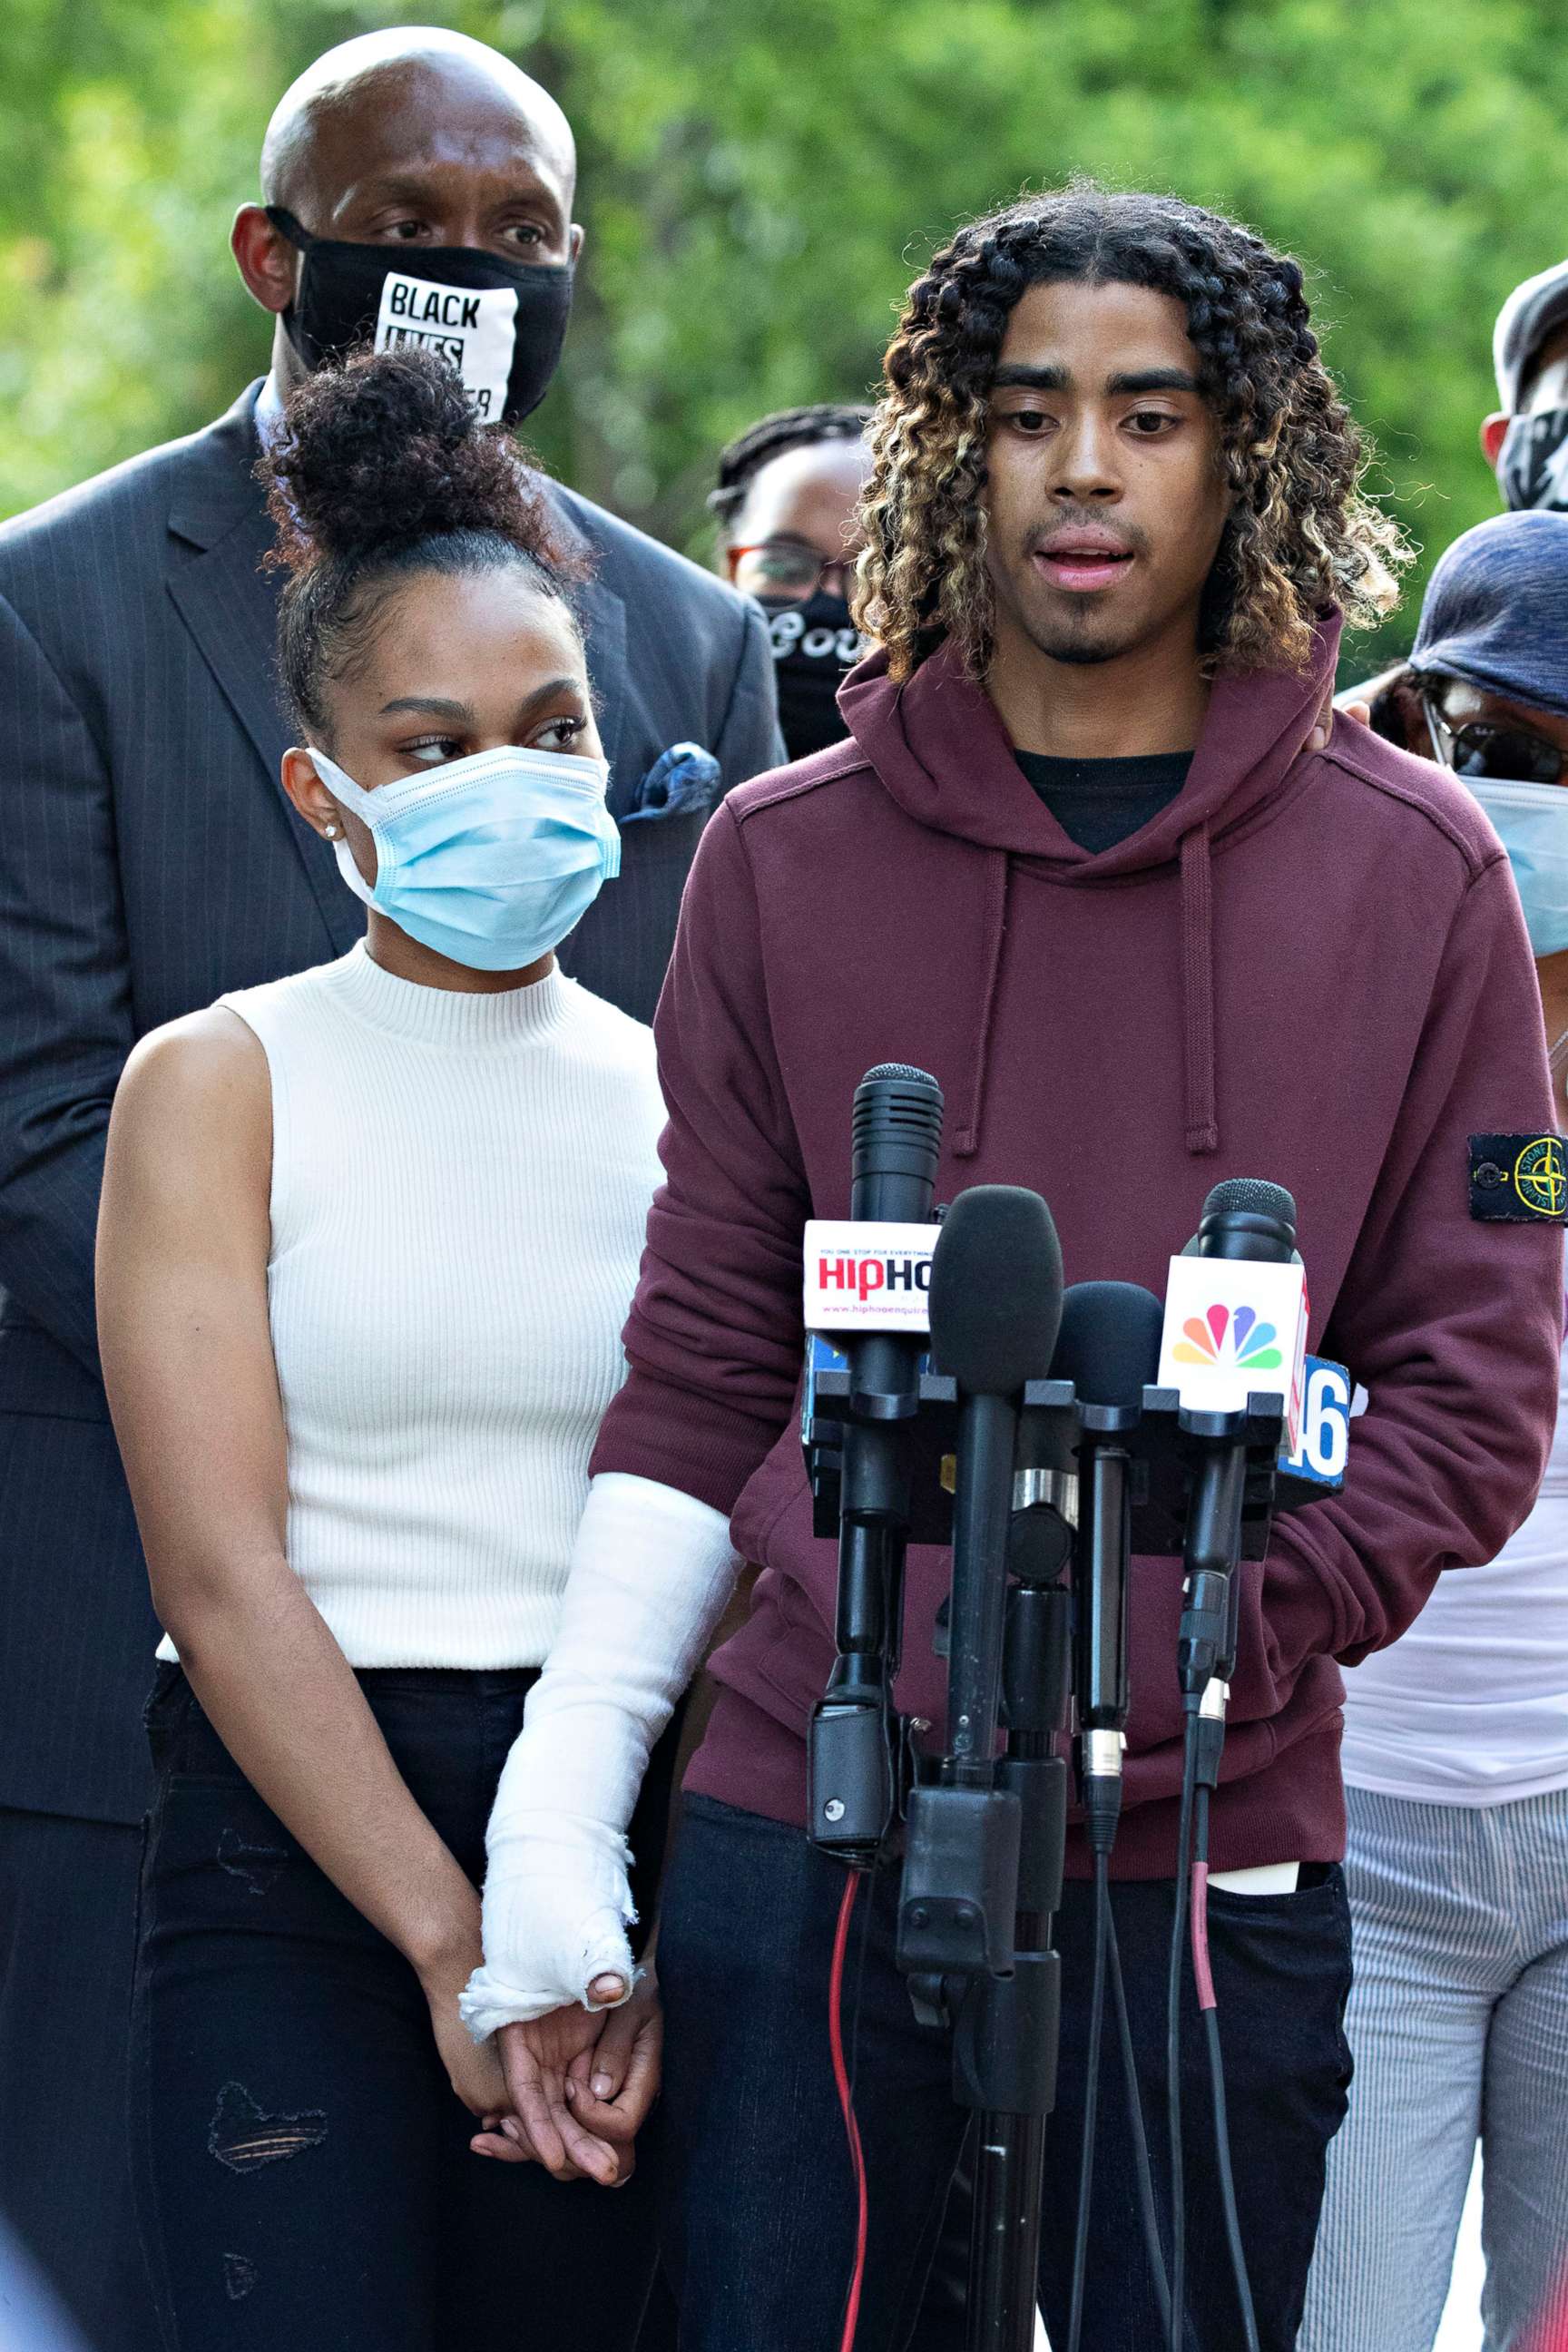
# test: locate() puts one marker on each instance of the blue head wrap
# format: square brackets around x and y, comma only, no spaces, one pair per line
[1495,611]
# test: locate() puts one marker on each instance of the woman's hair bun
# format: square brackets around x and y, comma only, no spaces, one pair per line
[387,450]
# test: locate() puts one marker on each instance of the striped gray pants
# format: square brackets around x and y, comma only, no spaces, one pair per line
[1458,2023]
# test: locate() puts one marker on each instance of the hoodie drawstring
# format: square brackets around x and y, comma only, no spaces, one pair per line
[966,1141]
[1201,1114]
[1197,990]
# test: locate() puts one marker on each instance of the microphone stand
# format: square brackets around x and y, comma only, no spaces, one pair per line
[1009,2027]
[983,1868]
[982,1881]
[986,1838]
[855,1761]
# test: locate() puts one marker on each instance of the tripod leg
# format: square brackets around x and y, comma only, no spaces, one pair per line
[1005,2049]
[1010,2167]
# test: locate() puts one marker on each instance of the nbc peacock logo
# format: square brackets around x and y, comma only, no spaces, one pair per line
[1219,1337]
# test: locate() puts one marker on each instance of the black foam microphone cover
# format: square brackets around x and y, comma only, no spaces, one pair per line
[1109,1343]
[995,1290]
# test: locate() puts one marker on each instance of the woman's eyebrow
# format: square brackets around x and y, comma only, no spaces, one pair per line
[437,705]
[549,692]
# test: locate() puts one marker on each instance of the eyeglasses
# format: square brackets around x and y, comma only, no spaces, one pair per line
[1499,752]
[789,568]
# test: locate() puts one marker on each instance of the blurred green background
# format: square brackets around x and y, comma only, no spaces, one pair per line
[760,183]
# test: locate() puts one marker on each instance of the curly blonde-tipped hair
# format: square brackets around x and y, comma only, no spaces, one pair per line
[1300,536]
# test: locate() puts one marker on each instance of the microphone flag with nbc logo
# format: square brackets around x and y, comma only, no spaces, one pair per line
[1234,1327]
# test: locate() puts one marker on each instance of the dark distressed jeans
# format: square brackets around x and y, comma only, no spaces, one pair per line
[304,2182]
[760,2220]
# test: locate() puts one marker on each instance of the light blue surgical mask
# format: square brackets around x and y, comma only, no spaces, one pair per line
[1532,823]
[491,860]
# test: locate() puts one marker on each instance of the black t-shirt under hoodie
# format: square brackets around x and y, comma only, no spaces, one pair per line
[1099,803]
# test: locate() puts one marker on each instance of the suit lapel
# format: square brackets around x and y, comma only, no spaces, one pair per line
[605,632]
[604,636]
[229,604]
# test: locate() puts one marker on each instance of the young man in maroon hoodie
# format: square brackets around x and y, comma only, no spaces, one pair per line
[1079,860]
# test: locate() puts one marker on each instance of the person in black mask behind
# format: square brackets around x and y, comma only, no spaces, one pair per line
[788,492]
[1526,439]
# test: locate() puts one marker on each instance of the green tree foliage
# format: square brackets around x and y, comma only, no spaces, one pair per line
[759,187]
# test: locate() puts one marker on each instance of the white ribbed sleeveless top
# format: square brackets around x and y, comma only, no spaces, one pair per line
[460,1188]
[1471,1706]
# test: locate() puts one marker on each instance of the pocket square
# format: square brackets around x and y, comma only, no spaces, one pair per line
[683,781]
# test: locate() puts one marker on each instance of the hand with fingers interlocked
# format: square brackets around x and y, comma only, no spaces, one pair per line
[582,2083]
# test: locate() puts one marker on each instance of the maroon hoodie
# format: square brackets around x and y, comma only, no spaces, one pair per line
[1310,967]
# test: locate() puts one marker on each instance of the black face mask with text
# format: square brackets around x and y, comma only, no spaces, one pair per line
[501,323]
[816,647]
[1533,465]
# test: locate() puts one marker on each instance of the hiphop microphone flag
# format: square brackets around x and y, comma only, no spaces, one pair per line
[868,1275]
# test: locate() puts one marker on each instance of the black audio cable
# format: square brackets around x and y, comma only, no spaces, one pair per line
[1091,2097]
[1108,1347]
[1176,2322]
[1146,2205]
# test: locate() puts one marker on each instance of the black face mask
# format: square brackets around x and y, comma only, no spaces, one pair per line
[501,323]
[1532,466]
[816,645]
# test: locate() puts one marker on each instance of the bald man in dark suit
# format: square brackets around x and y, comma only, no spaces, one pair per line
[149,861]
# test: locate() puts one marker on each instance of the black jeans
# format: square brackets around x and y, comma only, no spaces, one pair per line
[760,2218]
[302,2171]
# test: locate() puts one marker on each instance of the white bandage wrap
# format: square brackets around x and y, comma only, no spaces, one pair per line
[651,1572]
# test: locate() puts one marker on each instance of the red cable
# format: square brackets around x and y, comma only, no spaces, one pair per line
[846,2106]
[1201,1978]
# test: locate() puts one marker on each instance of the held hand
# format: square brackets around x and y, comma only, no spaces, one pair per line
[613,2086]
[536,2059]
[473,2069]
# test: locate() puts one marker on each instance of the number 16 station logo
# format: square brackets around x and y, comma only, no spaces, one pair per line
[1218,1336]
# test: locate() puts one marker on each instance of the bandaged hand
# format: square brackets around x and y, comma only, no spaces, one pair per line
[651,1571]
[557,1908]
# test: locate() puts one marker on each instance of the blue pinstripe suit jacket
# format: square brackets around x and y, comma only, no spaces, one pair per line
[147,862]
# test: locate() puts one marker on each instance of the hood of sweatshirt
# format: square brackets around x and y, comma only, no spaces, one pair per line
[941,753]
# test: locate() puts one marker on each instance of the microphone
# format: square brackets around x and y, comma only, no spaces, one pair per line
[895,1144]
[1231,1333]
[1246,1216]
[895,1141]
[1244,1220]
[1108,1347]
[996,1305]
[1255,1315]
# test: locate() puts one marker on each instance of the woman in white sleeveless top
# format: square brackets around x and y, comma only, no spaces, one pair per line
[368,1239]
